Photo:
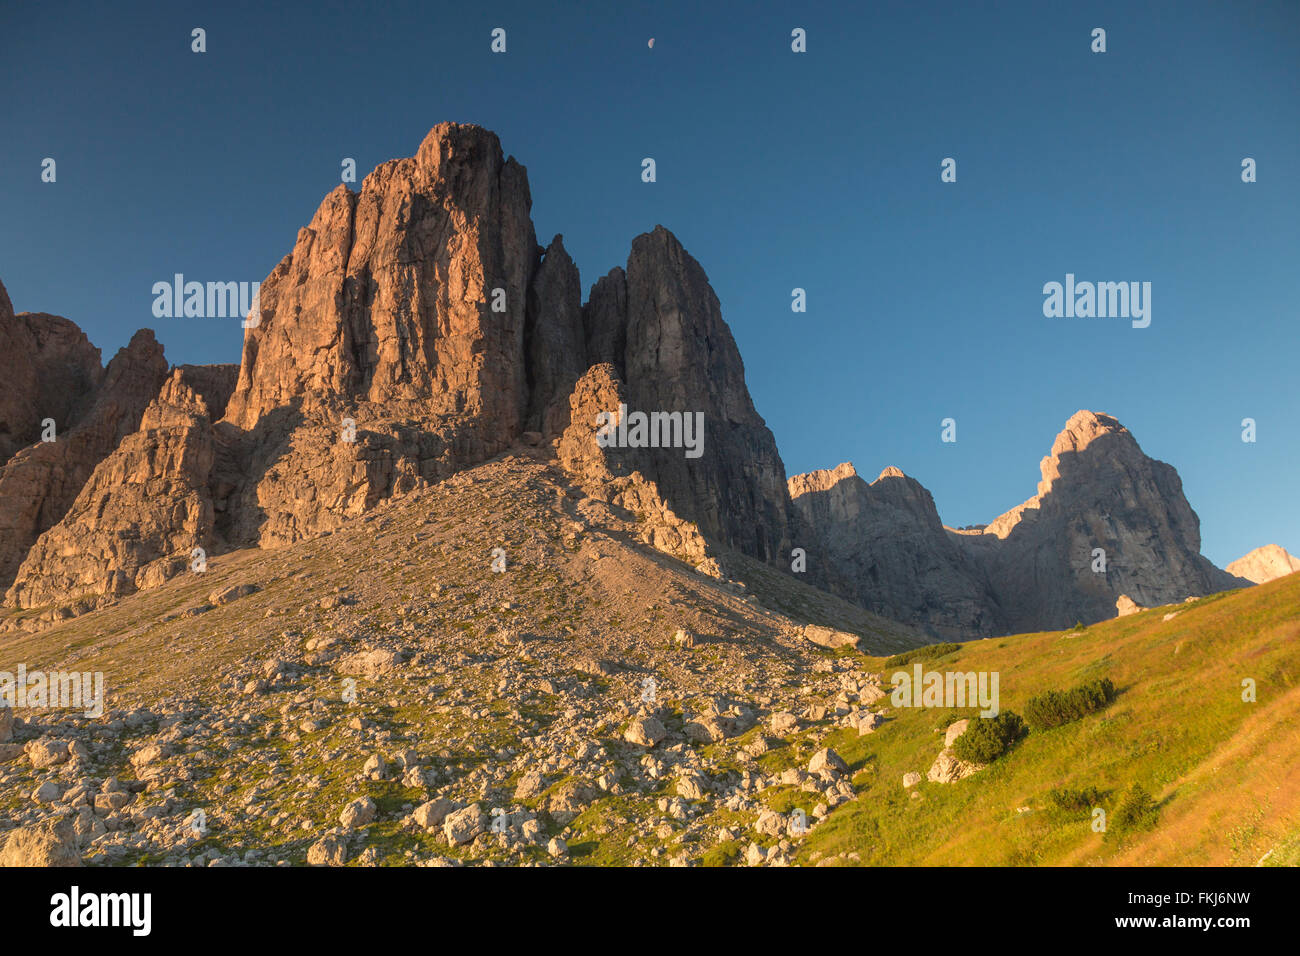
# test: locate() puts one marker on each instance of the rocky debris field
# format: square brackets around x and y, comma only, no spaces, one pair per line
[494,670]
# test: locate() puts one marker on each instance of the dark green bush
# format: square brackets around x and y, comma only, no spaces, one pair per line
[1056,708]
[922,654]
[988,738]
[1069,801]
[1137,811]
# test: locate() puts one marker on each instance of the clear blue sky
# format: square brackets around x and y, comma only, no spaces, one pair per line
[776,170]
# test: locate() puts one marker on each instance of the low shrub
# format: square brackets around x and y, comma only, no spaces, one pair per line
[988,738]
[922,653]
[1070,801]
[1137,811]
[1056,708]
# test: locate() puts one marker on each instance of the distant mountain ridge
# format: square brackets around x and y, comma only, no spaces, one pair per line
[1036,567]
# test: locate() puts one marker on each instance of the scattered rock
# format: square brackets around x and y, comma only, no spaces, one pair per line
[232,593]
[462,826]
[329,850]
[431,814]
[358,813]
[1125,605]
[645,732]
[955,730]
[46,752]
[827,760]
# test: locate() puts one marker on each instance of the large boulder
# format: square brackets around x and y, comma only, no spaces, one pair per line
[52,842]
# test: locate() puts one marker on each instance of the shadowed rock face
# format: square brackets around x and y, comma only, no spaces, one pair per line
[144,507]
[678,355]
[553,339]
[51,371]
[1031,568]
[39,484]
[883,546]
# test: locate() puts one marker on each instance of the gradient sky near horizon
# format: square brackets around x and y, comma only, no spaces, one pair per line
[776,170]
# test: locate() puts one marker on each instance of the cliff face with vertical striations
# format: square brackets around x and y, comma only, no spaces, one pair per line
[883,546]
[417,328]
[678,355]
[93,410]
[389,296]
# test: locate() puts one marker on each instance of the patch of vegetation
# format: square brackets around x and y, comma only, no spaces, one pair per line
[1072,802]
[724,854]
[987,739]
[1137,811]
[922,654]
[1057,708]
[950,717]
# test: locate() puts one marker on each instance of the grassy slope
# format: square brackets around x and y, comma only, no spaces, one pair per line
[1225,772]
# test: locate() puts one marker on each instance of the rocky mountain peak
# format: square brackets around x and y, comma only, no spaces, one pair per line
[450,150]
[820,480]
[658,327]
[412,292]
[1264,564]
[1083,428]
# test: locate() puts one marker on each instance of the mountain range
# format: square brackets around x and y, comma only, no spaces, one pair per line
[417,328]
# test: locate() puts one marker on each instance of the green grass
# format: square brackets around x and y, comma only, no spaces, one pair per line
[1179,728]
